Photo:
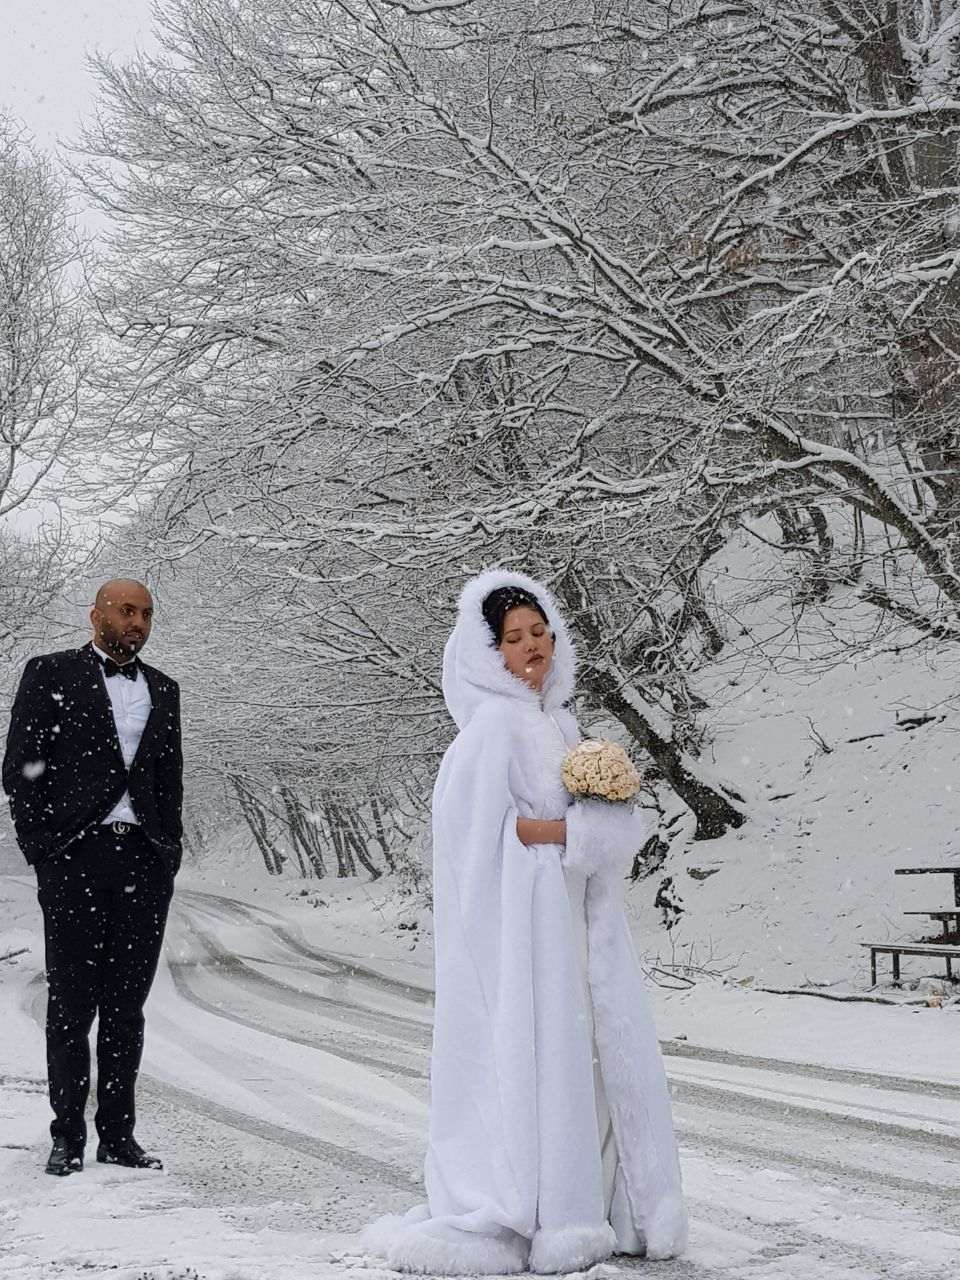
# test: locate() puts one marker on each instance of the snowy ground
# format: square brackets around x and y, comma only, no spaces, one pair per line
[285,1086]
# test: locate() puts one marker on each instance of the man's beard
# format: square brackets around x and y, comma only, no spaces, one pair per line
[117,644]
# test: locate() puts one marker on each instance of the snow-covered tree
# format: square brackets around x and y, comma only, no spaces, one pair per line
[43,349]
[402,288]
[44,360]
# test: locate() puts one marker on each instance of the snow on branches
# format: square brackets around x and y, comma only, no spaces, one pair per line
[406,287]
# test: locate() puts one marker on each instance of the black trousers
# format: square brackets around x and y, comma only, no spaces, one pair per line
[104,903]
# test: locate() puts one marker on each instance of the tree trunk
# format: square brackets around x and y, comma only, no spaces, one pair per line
[353,838]
[714,811]
[381,834]
[345,863]
[303,836]
[253,813]
[820,579]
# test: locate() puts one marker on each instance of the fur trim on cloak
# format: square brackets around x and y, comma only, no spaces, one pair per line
[634,1079]
[473,668]
[602,839]
[570,1249]
[408,1242]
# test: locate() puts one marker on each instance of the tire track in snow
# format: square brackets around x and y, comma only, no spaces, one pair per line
[354,1162]
[702,1093]
[671,1048]
[377,1021]
[803,1248]
[726,1098]
[337,965]
[758,1153]
[198,1103]
[233,969]
[695,1090]
[839,1075]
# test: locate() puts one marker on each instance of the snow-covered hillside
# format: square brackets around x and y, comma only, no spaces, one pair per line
[849,755]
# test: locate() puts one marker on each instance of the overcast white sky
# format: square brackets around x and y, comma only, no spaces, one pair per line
[44,81]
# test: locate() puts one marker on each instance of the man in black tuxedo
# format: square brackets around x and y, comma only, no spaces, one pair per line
[93,772]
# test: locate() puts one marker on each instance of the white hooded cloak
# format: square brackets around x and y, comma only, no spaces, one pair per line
[542,1021]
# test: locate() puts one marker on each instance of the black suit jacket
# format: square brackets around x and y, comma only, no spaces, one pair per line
[63,769]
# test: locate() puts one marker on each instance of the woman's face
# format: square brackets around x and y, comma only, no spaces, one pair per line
[527,645]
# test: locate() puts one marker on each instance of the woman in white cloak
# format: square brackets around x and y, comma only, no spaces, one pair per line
[551,1141]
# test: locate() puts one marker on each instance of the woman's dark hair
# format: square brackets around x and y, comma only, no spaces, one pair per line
[499,602]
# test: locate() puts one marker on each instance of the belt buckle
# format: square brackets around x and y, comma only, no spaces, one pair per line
[120,828]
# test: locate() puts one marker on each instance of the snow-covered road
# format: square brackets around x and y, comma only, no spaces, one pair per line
[285,1085]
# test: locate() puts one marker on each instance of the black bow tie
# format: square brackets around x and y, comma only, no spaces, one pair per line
[111,668]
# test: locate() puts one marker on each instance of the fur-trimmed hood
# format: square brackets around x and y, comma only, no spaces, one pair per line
[473,668]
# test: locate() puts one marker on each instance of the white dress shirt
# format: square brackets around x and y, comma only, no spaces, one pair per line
[131,703]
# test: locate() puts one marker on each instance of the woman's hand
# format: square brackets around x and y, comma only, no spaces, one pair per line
[541,831]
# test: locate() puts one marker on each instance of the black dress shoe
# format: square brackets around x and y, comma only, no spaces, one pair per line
[128,1153]
[65,1157]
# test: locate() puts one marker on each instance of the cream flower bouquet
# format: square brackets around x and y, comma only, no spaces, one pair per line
[600,770]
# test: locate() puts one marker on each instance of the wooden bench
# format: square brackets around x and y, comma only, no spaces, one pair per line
[898,949]
[947,919]
[934,871]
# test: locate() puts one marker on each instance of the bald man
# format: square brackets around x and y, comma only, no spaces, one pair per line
[93,772]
